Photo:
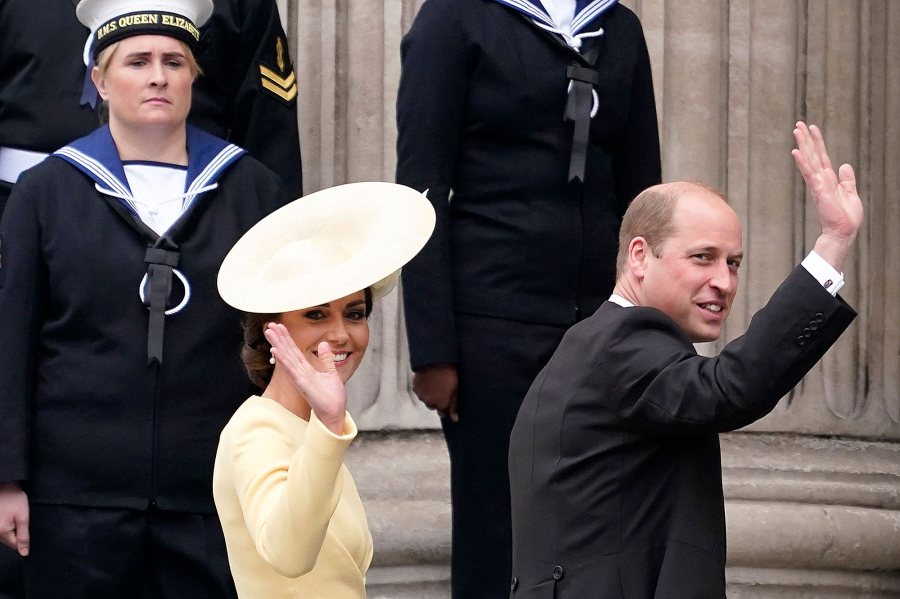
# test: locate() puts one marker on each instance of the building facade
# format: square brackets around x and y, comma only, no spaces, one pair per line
[812,490]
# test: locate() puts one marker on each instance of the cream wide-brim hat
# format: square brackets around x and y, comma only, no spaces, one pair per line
[325,246]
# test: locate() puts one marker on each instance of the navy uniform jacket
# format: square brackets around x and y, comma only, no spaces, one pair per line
[480,120]
[614,460]
[42,76]
[84,420]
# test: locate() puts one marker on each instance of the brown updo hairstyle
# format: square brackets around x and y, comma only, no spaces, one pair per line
[256,350]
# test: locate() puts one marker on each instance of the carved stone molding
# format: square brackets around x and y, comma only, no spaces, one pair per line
[798,502]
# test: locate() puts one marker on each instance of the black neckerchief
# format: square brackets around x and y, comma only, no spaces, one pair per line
[208,157]
[584,78]
[162,256]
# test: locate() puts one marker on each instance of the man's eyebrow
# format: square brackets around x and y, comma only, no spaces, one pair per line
[712,249]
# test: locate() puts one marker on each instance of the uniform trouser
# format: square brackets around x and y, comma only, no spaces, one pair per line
[100,553]
[498,361]
[10,574]
[10,562]
[5,190]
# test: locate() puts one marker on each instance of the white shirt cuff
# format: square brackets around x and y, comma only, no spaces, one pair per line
[823,272]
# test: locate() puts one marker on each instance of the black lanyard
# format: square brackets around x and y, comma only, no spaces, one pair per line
[583,78]
[162,258]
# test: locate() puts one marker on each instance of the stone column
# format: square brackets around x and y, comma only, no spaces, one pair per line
[809,514]
[348,62]
[812,490]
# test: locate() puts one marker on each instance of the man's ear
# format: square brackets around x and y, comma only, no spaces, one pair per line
[99,82]
[639,252]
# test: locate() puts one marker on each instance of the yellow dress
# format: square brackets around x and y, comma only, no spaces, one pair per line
[293,520]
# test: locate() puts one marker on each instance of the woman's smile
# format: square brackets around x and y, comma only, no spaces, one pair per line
[341,323]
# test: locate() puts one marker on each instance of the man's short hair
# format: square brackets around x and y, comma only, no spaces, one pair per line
[650,216]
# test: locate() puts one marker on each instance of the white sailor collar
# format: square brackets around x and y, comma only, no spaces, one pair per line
[586,12]
[208,157]
[97,157]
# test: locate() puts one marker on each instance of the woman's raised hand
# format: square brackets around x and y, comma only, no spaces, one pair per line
[320,383]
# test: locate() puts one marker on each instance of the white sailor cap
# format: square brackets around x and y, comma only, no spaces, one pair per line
[113,20]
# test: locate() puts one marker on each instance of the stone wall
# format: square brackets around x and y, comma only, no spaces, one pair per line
[813,489]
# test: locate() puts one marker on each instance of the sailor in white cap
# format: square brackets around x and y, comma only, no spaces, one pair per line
[120,359]
[247,94]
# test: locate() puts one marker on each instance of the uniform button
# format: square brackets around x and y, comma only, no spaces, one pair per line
[807,333]
[801,340]
[820,317]
[814,326]
[558,572]
[514,584]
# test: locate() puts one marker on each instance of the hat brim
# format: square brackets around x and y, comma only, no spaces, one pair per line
[93,12]
[111,21]
[325,246]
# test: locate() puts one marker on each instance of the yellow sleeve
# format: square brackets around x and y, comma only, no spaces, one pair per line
[287,492]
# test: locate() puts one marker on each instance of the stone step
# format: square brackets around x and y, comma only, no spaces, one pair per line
[808,517]
[404,482]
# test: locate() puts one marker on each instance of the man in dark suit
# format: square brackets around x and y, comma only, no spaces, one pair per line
[615,469]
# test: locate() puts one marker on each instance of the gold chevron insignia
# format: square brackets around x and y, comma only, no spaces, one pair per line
[282,82]
[283,87]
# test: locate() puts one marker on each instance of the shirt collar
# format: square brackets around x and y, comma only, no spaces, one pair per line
[621,301]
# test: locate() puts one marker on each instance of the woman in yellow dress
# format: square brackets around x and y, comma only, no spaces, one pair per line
[307,276]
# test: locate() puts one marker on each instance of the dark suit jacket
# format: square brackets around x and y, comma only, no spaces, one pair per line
[614,459]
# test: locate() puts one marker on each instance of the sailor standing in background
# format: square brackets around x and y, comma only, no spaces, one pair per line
[247,93]
[533,125]
[44,104]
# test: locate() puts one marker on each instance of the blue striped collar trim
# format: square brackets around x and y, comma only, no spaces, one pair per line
[531,8]
[586,11]
[105,179]
[96,156]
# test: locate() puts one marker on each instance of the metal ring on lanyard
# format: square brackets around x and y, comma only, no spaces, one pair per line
[184,300]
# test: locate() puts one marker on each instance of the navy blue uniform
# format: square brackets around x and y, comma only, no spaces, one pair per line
[519,254]
[247,95]
[86,421]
